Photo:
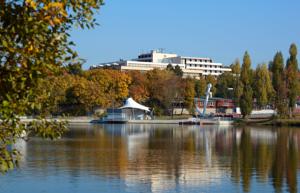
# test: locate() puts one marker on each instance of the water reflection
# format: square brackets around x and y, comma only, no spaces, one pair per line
[161,158]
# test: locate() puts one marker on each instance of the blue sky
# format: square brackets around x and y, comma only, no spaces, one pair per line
[220,29]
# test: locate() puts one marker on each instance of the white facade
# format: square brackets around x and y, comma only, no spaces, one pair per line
[191,66]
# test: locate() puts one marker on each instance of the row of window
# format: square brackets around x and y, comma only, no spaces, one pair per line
[203,66]
[212,71]
[199,60]
[145,56]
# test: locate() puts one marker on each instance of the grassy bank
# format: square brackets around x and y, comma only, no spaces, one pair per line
[270,122]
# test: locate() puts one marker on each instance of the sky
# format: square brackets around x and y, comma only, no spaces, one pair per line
[220,29]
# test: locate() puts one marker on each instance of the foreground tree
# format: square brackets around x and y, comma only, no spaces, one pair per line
[34,44]
[292,78]
[246,100]
[279,85]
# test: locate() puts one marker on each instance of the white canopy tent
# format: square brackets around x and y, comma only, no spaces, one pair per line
[131,104]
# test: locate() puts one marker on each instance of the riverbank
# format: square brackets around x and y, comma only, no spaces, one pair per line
[70,120]
[270,122]
[176,120]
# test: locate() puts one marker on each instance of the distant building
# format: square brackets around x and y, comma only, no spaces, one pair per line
[217,106]
[191,66]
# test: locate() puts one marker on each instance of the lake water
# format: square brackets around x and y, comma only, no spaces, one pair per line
[159,158]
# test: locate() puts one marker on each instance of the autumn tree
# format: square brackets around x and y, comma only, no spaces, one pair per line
[246,100]
[224,85]
[292,78]
[263,86]
[213,80]
[112,86]
[138,87]
[51,93]
[279,84]
[189,94]
[237,84]
[34,43]
[200,87]
[164,88]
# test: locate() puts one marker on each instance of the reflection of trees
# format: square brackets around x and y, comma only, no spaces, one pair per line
[275,157]
[246,159]
[183,155]
[292,165]
[235,161]
[279,160]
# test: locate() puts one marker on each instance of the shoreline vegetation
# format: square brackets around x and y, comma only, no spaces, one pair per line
[293,122]
[77,92]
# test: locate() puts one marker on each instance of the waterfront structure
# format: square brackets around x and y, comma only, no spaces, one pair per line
[191,66]
[217,106]
[131,110]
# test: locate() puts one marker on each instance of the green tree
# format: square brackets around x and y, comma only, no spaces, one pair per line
[279,85]
[213,80]
[224,85]
[237,85]
[200,87]
[246,100]
[34,44]
[170,67]
[178,71]
[292,78]
[189,94]
[263,86]
[75,68]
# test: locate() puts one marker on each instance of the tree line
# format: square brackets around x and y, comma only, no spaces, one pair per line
[74,91]
[275,85]
[77,92]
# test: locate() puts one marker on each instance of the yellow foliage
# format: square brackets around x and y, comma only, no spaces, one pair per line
[55,13]
[31,3]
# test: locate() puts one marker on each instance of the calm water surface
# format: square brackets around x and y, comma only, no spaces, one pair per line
[159,158]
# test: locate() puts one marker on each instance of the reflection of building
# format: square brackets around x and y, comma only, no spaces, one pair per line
[191,66]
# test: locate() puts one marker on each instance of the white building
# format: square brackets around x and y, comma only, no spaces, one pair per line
[191,66]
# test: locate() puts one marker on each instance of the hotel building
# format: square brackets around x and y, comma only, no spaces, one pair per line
[191,66]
